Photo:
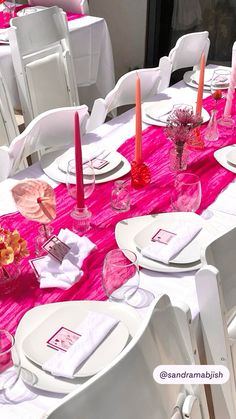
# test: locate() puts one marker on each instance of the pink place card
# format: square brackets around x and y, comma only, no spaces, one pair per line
[163,236]
[99,163]
[62,339]
[56,248]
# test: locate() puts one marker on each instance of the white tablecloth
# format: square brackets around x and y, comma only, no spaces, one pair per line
[180,286]
[93,60]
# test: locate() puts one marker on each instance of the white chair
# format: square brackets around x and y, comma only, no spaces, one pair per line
[42,61]
[153,81]
[5,163]
[216,290]
[188,50]
[219,347]
[126,388]
[51,130]
[74,6]
[8,125]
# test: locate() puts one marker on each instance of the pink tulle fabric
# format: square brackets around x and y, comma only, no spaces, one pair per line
[154,198]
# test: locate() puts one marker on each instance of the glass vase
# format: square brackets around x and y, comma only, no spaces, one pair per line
[179,157]
[9,275]
[212,132]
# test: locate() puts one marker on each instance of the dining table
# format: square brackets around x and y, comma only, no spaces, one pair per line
[92,56]
[215,212]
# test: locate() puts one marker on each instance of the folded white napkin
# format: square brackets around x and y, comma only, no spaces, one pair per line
[93,329]
[63,275]
[184,233]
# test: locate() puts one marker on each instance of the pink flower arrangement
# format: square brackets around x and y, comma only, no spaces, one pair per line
[180,124]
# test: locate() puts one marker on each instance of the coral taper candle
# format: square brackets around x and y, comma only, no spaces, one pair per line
[200,85]
[138,122]
[78,164]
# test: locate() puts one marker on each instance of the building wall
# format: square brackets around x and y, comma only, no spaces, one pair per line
[126,20]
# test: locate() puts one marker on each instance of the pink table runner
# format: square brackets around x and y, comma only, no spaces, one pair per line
[4,20]
[154,198]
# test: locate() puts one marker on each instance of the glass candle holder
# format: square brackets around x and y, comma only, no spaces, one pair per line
[81,220]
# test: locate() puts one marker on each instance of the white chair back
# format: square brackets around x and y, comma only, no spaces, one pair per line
[51,130]
[8,126]
[219,348]
[5,163]
[42,61]
[153,81]
[126,388]
[188,50]
[74,6]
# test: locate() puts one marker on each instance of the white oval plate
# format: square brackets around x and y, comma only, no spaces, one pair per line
[49,164]
[221,156]
[231,156]
[32,374]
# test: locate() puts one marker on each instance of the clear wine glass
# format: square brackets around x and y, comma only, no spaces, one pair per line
[187,192]
[9,361]
[219,84]
[88,178]
[120,275]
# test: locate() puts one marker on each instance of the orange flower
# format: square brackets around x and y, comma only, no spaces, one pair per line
[12,246]
[7,256]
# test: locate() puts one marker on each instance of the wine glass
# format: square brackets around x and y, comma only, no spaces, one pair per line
[121,279]
[120,275]
[187,192]
[219,84]
[88,178]
[9,361]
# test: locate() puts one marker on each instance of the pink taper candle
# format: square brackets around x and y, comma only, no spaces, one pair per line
[138,128]
[78,164]
[230,93]
[200,85]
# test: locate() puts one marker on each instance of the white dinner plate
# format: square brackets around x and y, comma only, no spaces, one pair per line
[49,164]
[126,230]
[160,123]
[189,254]
[159,109]
[36,349]
[29,10]
[32,374]
[113,158]
[231,156]
[223,154]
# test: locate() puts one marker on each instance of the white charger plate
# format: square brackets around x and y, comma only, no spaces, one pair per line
[223,155]
[151,121]
[113,157]
[49,164]
[32,374]
[126,230]
[231,156]
[189,254]
[36,349]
